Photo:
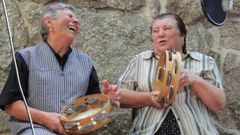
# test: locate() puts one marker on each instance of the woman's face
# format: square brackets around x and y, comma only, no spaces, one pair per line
[166,36]
[66,25]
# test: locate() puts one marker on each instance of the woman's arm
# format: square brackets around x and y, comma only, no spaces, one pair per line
[213,97]
[48,119]
[130,99]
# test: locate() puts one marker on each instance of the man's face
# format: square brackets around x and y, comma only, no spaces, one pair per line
[166,36]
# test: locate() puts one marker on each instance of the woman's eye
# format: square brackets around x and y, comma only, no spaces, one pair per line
[168,28]
[155,31]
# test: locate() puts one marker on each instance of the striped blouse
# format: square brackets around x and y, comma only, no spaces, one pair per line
[191,114]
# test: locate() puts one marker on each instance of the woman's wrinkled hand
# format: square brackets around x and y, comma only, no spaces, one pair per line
[112,91]
[154,100]
[187,78]
[53,123]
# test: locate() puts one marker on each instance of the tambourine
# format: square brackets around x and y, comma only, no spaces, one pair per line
[86,114]
[168,76]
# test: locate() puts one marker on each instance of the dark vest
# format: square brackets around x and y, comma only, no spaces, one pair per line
[50,88]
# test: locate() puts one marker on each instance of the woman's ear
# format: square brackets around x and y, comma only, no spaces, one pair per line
[48,22]
[182,38]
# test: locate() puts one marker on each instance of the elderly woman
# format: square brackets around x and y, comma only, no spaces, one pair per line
[200,86]
[52,74]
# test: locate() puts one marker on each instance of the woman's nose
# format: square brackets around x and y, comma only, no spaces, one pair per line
[76,21]
[161,33]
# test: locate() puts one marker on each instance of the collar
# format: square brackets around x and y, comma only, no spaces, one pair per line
[57,55]
[194,56]
[151,55]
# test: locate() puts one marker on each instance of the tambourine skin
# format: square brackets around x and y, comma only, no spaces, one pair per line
[167,76]
[86,114]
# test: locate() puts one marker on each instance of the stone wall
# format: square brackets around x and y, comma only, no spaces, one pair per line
[112,31]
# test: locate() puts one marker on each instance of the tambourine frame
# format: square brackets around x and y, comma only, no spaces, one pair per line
[167,76]
[89,123]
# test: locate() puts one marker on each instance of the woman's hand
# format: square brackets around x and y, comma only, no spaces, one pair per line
[154,100]
[112,91]
[52,122]
[213,97]
[186,78]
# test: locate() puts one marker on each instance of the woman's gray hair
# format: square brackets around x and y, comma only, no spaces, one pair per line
[52,11]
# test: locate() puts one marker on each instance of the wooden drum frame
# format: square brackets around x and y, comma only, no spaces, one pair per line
[86,114]
[167,76]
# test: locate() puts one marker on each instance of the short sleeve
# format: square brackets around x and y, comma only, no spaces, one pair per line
[93,85]
[211,74]
[128,78]
[11,90]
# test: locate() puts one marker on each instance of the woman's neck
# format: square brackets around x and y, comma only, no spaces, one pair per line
[59,47]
